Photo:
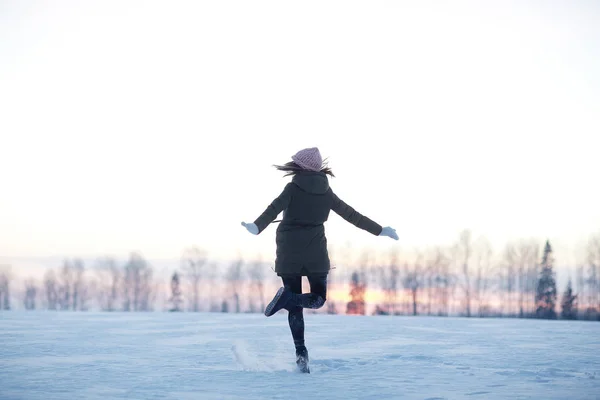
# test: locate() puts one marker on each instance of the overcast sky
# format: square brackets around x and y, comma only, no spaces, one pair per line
[152,126]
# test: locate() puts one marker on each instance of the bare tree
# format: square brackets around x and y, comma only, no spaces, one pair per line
[30,294]
[430,274]
[593,278]
[526,257]
[482,284]
[193,261]
[51,289]
[5,277]
[389,283]
[508,276]
[413,281]
[210,278]
[464,250]
[234,278]
[176,294]
[80,287]
[340,256]
[436,279]
[72,289]
[137,284]
[365,266]
[109,282]
[257,288]
[532,278]
[446,281]
[65,286]
[581,284]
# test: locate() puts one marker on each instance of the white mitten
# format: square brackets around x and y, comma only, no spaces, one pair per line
[252,228]
[389,231]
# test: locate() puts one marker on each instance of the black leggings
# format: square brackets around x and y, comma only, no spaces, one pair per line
[298,301]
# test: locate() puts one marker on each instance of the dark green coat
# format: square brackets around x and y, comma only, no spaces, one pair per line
[301,243]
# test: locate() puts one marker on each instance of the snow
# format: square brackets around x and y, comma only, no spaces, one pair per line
[62,355]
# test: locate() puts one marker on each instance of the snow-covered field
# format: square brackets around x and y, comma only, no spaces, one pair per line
[61,355]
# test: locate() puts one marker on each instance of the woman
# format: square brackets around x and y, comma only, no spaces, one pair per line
[301,243]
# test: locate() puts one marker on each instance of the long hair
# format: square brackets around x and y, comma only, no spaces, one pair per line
[291,168]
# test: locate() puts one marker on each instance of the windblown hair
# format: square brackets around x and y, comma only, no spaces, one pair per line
[291,168]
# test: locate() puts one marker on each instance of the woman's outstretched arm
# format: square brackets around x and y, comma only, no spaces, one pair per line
[354,217]
[273,210]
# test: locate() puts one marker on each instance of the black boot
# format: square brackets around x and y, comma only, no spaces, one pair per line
[279,301]
[302,359]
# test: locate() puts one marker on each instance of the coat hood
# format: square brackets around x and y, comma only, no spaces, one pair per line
[312,182]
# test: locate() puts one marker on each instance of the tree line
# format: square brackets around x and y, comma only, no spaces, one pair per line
[463,279]
[133,285]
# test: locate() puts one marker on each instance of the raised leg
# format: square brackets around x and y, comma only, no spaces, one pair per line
[315,299]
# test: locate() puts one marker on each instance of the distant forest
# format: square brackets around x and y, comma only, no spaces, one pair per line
[465,279]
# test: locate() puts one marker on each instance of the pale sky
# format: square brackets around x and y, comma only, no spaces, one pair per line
[153,126]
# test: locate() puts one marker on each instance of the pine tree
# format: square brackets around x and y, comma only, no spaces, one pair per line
[30,294]
[176,299]
[546,287]
[357,294]
[569,303]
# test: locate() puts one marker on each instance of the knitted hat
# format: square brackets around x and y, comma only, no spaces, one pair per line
[309,159]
